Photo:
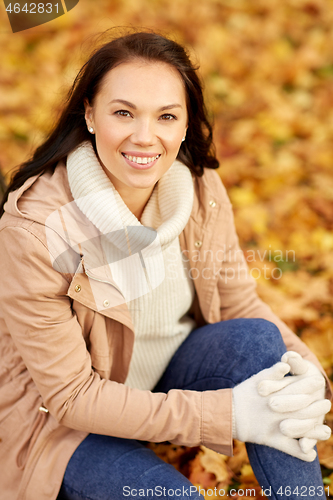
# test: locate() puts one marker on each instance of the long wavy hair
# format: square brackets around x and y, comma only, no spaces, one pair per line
[197,152]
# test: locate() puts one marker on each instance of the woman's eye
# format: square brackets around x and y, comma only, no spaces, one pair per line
[123,112]
[168,116]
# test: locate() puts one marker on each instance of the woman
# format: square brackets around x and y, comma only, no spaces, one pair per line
[127,312]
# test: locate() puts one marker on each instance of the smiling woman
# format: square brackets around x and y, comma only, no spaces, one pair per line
[120,321]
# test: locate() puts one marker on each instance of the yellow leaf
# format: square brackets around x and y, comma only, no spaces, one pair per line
[215,463]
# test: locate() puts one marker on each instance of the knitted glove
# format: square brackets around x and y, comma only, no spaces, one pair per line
[255,421]
[307,381]
[305,389]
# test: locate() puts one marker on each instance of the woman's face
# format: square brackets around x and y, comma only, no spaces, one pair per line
[139,118]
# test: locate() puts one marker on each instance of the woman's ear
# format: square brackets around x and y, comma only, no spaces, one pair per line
[88,115]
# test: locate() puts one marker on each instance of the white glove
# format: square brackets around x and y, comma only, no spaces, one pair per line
[311,386]
[255,421]
[305,389]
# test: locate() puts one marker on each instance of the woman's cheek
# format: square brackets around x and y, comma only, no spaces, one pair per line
[173,142]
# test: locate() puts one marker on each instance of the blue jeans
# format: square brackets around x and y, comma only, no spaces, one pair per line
[215,356]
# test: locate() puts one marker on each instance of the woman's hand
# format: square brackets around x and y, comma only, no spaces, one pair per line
[304,390]
[261,418]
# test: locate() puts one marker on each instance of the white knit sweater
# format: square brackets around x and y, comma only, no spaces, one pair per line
[159,312]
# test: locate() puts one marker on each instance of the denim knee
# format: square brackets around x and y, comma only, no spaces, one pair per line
[255,342]
[223,354]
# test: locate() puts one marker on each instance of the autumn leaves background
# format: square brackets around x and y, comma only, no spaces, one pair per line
[268,72]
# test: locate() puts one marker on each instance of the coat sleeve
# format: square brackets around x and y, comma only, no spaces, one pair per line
[49,338]
[237,291]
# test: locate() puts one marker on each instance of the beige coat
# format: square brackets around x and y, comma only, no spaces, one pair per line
[61,351]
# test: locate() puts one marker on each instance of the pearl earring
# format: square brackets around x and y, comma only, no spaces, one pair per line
[183,139]
[91,130]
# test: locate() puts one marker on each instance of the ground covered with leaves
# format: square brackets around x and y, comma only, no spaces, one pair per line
[267,66]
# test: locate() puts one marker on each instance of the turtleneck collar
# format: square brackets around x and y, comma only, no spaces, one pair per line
[167,211]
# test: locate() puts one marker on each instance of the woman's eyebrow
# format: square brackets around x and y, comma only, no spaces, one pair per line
[131,105]
[126,103]
[170,106]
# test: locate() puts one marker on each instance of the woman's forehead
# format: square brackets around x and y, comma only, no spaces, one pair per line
[140,78]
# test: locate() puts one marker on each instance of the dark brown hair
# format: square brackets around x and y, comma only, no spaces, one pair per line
[197,152]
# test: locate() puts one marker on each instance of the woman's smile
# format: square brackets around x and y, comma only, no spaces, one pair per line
[141,161]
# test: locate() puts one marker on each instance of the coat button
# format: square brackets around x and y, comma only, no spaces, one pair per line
[212,203]
[198,243]
[106,303]
[77,288]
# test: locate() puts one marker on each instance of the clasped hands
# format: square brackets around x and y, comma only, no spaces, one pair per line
[284,412]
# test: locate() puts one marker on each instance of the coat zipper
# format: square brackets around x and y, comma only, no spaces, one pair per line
[103,281]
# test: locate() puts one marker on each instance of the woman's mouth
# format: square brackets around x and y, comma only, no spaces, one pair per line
[141,162]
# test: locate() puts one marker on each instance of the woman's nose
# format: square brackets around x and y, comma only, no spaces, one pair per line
[144,133]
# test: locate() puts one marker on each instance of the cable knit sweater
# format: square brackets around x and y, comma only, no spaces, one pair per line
[159,305]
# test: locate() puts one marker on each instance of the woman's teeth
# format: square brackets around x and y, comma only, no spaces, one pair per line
[141,159]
